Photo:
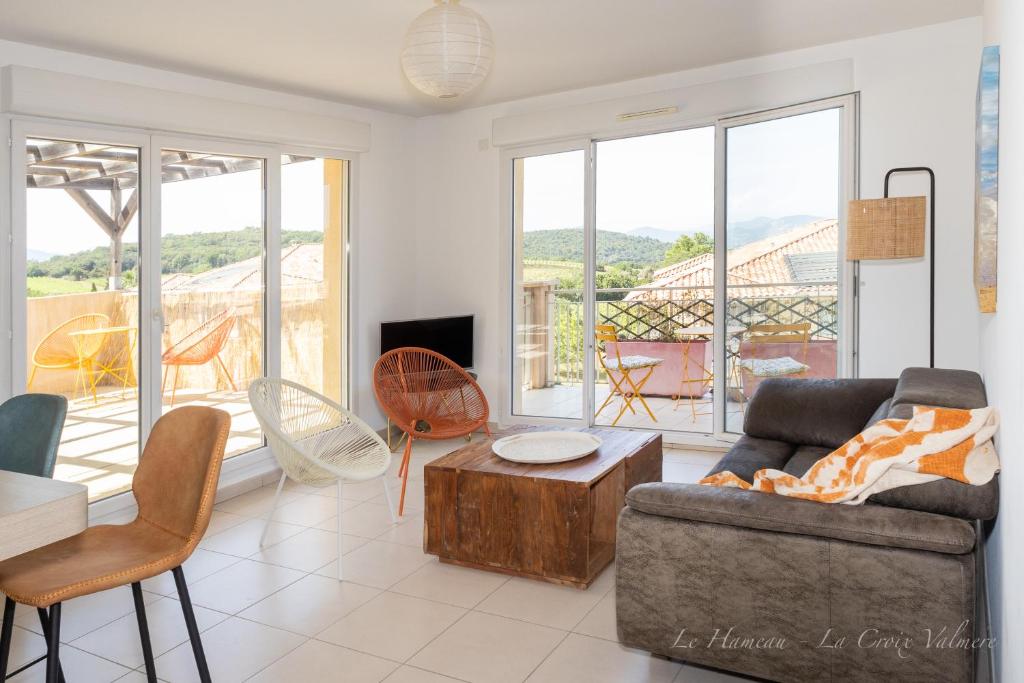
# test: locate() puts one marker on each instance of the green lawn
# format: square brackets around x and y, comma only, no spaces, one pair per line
[534,271]
[50,286]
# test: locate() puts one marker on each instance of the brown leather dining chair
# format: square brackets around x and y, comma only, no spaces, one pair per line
[174,486]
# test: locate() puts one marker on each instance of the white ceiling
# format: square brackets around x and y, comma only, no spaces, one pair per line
[348,51]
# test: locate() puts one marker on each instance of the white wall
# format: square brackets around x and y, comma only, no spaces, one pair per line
[1001,335]
[382,277]
[917,92]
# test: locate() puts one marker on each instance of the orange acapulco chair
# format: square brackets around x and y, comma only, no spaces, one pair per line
[58,350]
[428,397]
[199,347]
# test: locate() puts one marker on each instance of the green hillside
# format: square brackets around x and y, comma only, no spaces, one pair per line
[192,253]
[613,248]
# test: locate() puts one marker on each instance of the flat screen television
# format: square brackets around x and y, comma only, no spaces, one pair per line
[451,337]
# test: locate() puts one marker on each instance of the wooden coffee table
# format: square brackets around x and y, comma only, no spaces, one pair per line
[550,522]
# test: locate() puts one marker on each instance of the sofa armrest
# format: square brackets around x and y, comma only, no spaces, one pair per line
[868,524]
[814,412]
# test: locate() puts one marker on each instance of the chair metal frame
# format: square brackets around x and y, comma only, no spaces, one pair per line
[84,360]
[199,347]
[322,443]
[429,397]
[603,336]
[772,333]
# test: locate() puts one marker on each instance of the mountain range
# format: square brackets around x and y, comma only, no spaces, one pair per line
[740,232]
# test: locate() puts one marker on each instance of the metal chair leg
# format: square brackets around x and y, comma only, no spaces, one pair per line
[6,631]
[636,389]
[174,387]
[44,623]
[273,507]
[227,374]
[53,646]
[190,623]
[406,457]
[147,647]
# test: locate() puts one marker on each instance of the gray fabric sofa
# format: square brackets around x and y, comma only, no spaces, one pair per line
[792,590]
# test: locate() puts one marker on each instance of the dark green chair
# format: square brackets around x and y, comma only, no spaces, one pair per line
[30,428]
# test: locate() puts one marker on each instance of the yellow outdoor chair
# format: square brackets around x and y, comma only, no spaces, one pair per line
[763,363]
[59,350]
[625,385]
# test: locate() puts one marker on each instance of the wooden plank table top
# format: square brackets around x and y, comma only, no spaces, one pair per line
[615,445]
[35,511]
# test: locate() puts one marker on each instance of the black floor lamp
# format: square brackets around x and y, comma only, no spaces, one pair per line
[893,228]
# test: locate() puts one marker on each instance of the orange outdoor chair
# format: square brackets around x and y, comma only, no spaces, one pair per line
[626,385]
[199,347]
[59,351]
[428,397]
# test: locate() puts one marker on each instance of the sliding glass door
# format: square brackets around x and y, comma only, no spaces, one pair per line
[314,273]
[76,291]
[213,251]
[785,277]
[654,280]
[658,279]
[549,363]
[149,273]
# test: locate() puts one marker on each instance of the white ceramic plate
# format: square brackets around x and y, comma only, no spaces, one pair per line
[546,447]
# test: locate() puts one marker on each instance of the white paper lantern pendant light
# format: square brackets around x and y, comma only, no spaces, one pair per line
[448,50]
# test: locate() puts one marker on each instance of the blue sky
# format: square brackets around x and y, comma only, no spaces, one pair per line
[776,168]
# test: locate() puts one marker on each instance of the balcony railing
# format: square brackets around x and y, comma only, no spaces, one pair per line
[551,331]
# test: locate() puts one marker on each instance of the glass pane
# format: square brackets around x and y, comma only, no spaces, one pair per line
[314,222]
[212,248]
[655,280]
[548,277]
[82,238]
[782,209]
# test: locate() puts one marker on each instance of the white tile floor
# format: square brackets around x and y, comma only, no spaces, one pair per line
[279,614]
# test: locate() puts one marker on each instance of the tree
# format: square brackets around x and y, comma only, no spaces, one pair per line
[687,247]
[612,277]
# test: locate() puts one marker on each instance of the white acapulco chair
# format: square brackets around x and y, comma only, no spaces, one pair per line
[317,442]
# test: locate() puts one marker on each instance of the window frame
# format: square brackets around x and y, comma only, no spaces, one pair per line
[848,298]
[237,469]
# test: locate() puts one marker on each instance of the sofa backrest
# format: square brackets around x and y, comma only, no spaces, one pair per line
[826,413]
[809,412]
[936,387]
[946,389]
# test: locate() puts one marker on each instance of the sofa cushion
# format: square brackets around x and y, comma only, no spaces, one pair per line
[945,497]
[873,524]
[947,389]
[773,367]
[814,412]
[803,458]
[936,387]
[750,454]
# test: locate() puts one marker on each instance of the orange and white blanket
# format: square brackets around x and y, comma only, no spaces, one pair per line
[935,443]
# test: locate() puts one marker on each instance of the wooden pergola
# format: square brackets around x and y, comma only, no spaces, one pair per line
[77,167]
